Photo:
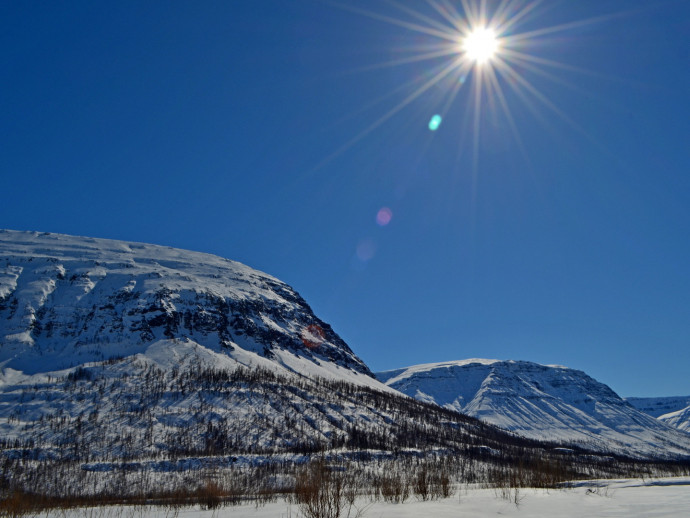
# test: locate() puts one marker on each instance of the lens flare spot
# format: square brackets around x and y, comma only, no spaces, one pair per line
[313,336]
[435,122]
[366,249]
[384,216]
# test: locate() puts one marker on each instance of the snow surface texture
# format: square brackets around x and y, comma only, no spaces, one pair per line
[662,498]
[551,403]
[66,301]
[674,411]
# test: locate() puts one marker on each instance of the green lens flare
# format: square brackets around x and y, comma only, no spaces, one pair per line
[435,122]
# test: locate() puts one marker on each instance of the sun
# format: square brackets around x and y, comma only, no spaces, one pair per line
[480,45]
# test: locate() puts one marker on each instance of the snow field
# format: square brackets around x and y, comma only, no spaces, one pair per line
[631,498]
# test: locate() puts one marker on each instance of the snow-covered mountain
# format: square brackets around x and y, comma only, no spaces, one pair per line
[674,411]
[658,406]
[127,333]
[550,403]
[66,300]
[115,350]
[679,419]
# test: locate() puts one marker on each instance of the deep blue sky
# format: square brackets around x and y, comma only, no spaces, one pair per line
[231,127]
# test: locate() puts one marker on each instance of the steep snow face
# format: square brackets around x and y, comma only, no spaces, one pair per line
[67,300]
[550,403]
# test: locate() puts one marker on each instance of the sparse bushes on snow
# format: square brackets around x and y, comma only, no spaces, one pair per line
[174,436]
[320,492]
[393,488]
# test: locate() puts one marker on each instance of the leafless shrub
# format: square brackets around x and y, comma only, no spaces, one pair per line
[392,488]
[320,492]
[507,483]
[16,504]
[443,485]
[210,494]
[432,481]
[421,484]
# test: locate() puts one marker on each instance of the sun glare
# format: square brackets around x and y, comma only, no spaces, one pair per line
[480,45]
[475,45]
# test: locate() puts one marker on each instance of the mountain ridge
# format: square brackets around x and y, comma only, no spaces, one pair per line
[540,402]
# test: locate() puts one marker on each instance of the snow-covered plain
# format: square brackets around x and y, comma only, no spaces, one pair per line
[658,498]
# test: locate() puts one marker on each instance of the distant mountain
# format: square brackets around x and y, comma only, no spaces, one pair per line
[679,419]
[549,403]
[674,411]
[658,406]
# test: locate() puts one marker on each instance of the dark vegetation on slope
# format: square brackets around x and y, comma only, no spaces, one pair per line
[215,436]
[101,413]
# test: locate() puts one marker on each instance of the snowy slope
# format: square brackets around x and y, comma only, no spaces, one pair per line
[551,403]
[658,406]
[679,419]
[67,300]
[674,411]
[180,398]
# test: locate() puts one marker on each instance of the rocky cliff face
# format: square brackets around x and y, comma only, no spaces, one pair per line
[67,300]
[550,403]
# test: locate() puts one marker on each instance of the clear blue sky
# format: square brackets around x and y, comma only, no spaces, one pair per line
[268,132]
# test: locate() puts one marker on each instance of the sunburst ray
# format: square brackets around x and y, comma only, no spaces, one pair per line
[501,60]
